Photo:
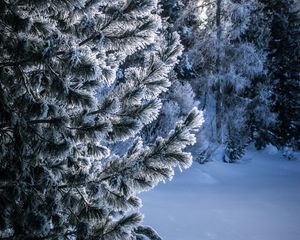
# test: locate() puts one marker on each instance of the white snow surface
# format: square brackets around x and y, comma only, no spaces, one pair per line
[257,198]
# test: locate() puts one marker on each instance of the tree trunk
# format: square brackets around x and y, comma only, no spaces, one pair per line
[218,66]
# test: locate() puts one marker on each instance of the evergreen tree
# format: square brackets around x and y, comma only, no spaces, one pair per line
[224,63]
[61,107]
[284,70]
[260,118]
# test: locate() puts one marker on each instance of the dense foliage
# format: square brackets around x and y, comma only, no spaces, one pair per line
[284,70]
[94,109]
[241,59]
[62,104]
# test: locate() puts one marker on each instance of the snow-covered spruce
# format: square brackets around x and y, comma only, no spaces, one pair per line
[221,63]
[284,71]
[60,106]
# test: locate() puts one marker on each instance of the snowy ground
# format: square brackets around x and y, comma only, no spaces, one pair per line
[256,199]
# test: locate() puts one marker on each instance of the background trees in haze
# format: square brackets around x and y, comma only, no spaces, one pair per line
[230,59]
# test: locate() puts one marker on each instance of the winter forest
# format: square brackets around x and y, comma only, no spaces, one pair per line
[149,119]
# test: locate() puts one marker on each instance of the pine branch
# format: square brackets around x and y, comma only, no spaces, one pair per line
[47,121]
[14,63]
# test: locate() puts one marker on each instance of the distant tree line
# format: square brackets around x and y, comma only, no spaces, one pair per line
[241,60]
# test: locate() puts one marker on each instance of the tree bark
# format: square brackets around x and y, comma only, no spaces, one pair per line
[218,66]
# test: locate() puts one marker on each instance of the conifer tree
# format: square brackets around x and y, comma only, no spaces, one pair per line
[61,107]
[260,118]
[223,64]
[284,70]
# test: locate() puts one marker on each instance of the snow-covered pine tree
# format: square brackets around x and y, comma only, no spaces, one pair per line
[260,118]
[58,180]
[284,70]
[222,64]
